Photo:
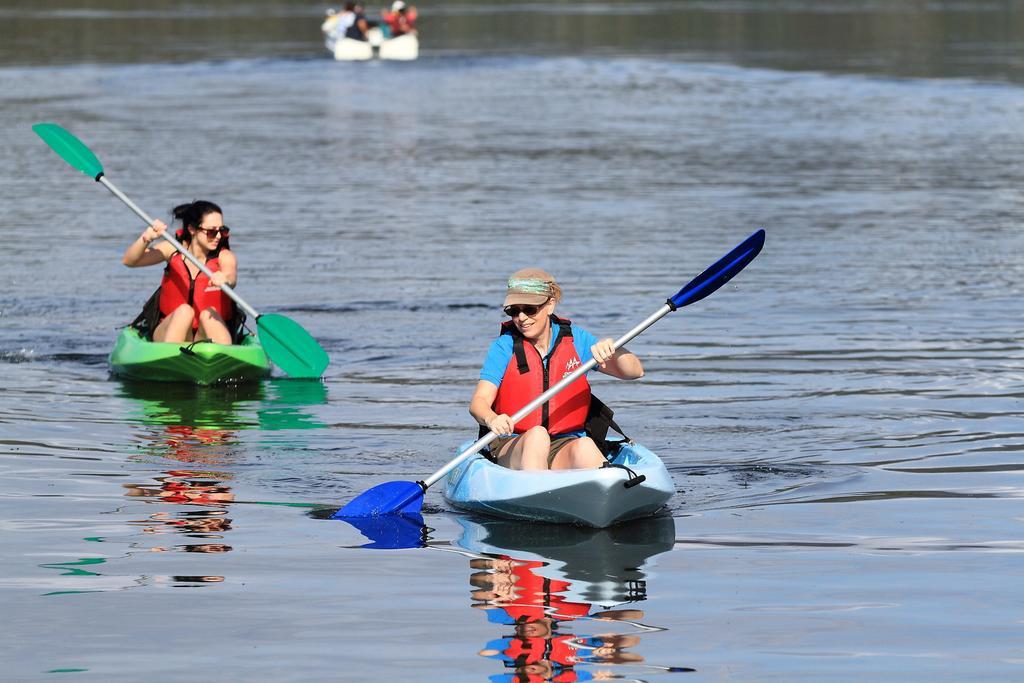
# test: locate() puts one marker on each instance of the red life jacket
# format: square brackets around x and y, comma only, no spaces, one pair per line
[179,288]
[538,596]
[526,378]
[556,649]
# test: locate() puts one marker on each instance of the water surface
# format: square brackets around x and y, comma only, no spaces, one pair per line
[841,421]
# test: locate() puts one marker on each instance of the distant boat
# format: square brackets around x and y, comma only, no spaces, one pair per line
[402,48]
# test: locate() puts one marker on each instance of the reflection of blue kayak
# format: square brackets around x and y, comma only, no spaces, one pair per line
[596,497]
[605,567]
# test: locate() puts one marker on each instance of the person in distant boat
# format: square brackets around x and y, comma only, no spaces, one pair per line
[534,351]
[330,23]
[360,25]
[189,306]
[345,19]
[401,19]
[337,23]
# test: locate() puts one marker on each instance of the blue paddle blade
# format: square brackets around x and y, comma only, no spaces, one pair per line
[389,498]
[721,272]
[391,532]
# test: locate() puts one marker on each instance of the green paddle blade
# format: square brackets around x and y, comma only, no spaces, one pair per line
[290,347]
[70,149]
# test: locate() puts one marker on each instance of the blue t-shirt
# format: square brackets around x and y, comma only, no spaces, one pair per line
[500,352]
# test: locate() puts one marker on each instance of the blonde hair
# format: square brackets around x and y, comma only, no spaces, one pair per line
[556,292]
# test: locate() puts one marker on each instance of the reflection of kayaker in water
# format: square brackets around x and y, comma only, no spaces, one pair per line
[513,594]
[187,488]
[189,306]
[183,490]
[552,656]
[534,351]
[522,595]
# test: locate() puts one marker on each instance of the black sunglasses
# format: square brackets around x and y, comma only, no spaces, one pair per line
[213,232]
[529,309]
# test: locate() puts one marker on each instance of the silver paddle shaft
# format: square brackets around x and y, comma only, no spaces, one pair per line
[546,396]
[178,245]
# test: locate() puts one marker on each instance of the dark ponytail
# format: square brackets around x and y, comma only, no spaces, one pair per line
[192,215]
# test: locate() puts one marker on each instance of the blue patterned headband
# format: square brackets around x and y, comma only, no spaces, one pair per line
[530,286]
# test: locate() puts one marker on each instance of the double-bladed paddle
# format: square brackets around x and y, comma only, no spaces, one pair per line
[287,344]
[406,497]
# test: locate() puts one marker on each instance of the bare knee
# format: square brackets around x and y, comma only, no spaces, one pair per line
[536,444]
[587,454]
[537,436]
[184,311]
[176,326]
[208,315]
[580,454]
[212,327]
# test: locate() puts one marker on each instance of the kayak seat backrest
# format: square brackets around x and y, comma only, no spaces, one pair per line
[236,325]
[600,418]
[146,321]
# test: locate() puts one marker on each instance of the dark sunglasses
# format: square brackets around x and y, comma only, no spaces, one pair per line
[530,310]
[213,232]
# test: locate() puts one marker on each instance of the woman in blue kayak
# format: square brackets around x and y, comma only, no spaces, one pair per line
[188,306]
[533,352]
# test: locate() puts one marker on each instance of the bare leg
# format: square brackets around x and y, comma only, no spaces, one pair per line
[528,452]
[177,327]
[212,327]
[581,454]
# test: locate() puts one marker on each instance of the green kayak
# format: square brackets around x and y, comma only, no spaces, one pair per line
[204,363]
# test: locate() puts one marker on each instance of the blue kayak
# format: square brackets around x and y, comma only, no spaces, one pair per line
[594,497]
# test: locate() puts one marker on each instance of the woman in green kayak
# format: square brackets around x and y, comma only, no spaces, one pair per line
[189,306]
[533,352]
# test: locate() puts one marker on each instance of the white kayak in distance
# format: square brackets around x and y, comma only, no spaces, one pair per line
[637,485]
[404,48]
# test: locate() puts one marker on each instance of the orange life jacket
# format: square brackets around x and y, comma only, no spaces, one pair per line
[178,287]
[527,377]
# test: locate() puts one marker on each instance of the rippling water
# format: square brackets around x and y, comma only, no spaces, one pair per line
[842,421]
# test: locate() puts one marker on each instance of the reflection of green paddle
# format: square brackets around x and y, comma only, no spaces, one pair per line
[285,341]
